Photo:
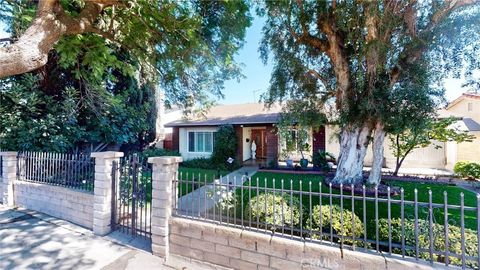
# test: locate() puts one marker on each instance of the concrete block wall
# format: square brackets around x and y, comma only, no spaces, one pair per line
[90,210]
[229,248]
[68,204]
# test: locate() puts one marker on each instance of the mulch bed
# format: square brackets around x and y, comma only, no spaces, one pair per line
[382,189]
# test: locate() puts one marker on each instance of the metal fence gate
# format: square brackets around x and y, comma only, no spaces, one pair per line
[132,200]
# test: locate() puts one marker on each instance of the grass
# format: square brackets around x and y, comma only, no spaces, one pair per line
[196,178]
[266,178]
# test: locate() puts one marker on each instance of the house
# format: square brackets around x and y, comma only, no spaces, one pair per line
[467,109]
[195,138]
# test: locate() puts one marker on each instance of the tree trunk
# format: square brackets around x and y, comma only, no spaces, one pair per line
[376,171]
[353,148]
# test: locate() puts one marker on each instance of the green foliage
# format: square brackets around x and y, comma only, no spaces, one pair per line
[331,218]
[454,238]
[158,152]
[423,133]
[34,121]
[320,160]
[294,137]
[207,163]
[59,113]
[225,146]
[186,46]
[269,208]
[469,170]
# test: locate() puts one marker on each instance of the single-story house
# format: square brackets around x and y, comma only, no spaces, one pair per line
[194,138]
[253,122]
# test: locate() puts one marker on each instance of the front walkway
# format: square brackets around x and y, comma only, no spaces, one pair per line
[31,240]
[199,201]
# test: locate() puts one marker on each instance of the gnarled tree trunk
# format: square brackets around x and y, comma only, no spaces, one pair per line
[353,148]
[376,171]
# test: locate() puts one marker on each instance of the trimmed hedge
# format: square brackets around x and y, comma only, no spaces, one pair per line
[208,164]
[273,217]
[454,238]
[469,170]
[334,222]
[158,152]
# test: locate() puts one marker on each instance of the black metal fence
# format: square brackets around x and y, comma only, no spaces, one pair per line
[434,227]
[68,170]
[132,200]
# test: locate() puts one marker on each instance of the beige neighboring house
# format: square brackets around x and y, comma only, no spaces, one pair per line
[466,108]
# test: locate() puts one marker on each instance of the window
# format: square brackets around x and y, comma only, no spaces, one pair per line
[470,106]
[201,141]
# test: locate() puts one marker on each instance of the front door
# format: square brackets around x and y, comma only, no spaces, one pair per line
[258,135]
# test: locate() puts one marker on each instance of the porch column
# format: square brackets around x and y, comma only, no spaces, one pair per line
[102,193]
[9,175]
[272,144]
[164,172]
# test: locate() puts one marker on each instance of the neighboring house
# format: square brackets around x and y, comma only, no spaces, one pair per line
[467,109]
[252,122]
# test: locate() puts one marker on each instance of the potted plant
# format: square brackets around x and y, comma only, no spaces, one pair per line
[303,145]
[322,160]
[287,152]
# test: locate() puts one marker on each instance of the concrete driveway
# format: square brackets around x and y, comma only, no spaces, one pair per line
[30,240]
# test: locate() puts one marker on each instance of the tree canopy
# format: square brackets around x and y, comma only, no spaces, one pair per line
[186,46]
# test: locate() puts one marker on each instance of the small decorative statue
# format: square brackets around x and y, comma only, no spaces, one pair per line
[254,150]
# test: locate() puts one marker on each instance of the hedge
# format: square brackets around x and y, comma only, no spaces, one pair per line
[454,237]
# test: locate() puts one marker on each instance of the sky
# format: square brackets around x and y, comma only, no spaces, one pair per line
[257,75]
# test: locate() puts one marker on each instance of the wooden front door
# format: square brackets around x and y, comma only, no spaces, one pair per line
[258,135]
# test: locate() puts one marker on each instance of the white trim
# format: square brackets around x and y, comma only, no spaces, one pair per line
[195,139]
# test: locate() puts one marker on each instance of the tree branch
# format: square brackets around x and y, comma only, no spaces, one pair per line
[30,51]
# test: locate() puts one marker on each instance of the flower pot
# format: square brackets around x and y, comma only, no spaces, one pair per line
[289,163]
[304,163]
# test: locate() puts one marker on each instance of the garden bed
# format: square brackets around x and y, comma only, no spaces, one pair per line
[293,171]
[382,189]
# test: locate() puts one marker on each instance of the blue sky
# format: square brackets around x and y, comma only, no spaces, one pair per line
[257,75]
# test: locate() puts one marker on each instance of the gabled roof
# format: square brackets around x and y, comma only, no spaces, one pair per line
[237,114]
[462,97]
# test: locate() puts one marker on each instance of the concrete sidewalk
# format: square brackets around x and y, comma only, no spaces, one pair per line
[31,240]
[201,200]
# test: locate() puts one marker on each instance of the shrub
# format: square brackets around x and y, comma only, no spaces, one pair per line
[454,238]
[273,215]
[334,222]
[320,160]
[225,146]
[158,152]
[468,170]
[208,164]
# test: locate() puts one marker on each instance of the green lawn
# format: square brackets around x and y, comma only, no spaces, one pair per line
[190,179]
[195,178]
[266,178]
